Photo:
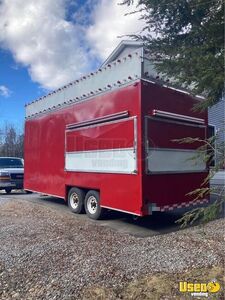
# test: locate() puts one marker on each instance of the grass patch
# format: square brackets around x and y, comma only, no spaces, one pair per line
[160,287]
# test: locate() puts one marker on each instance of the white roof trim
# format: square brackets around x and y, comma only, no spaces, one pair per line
[122,45]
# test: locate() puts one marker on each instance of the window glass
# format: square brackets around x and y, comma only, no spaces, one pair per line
[11,163]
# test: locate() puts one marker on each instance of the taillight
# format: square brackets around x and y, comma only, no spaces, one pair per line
[4,177]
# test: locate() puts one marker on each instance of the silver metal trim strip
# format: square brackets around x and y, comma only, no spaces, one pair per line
[166,114]
[168,86]
[174,172]
[100,150]
[175,122]
[105,118]
[174,149]
[102,124]
[136,143]
[99,172]
[146,142]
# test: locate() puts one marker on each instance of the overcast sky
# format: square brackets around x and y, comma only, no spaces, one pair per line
[47,43]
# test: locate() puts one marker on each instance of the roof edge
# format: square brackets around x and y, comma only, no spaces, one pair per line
[120,47]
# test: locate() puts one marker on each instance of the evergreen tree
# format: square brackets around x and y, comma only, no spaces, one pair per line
[185,39]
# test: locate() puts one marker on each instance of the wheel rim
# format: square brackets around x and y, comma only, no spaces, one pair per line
[74,201]
[92,205]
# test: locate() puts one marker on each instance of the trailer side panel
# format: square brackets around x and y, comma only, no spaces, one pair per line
[49,145]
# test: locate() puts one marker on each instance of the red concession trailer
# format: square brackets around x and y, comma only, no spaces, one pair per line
[105,141]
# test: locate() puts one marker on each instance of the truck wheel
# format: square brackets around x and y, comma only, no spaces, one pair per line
[8,190]
[76,200]
[92,205]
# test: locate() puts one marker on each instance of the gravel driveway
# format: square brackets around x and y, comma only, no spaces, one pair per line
[48,255]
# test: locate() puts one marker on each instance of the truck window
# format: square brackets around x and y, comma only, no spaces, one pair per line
[11,163]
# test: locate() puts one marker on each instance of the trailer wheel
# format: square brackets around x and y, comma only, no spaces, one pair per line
[76,200]
[92,205]
[8,190]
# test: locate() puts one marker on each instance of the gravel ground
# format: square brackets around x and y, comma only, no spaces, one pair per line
[48,255]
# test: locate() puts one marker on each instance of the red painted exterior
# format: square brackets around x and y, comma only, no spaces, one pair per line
[45,145]
[169,132]
[117,135]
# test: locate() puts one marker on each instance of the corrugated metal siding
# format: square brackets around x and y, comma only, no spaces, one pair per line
[217,118]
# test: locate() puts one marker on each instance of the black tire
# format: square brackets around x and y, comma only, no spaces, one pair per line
[75,200]
[8,190]
[92,205]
